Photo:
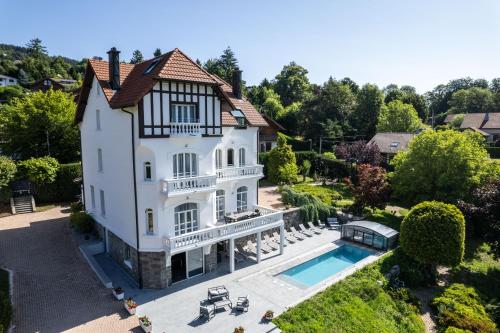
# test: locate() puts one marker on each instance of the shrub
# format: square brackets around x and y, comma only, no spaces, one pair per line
[413,273]
[305,168]
[330,155]
[82,222]
[311,208]
[76,207]
[40,171]
[64,188]
[434,233]
[461,307]
[452,329]
[7,171]
[372,188]
[264,159]
[282,167]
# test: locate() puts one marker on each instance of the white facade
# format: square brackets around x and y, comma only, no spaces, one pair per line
[7,81]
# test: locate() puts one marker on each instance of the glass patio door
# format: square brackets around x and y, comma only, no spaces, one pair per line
[195,262]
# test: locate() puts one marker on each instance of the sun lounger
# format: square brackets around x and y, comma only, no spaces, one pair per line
[242,251]
[321,224]
[295,234]
[289,239]
[305,231]
[314,229]
[265,248]
[273,244]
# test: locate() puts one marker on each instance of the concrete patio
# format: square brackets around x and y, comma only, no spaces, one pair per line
[177,307]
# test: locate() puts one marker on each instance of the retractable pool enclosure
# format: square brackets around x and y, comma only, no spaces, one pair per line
[371,234]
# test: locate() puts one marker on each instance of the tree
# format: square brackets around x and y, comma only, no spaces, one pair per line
[136,57]
[434,233]
[481,212]
[292,84]
[39,124]
[472,100]
[224,66]
[35,48]
[7,171]
[359,152]
[444,165]
[398,117]
[157,52]
[271,104]
[370,101]
[292,118]
[372,188]
[10,92]
[40,171]
[282,167]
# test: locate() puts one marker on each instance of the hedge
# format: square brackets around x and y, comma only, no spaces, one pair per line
[64,188]
[5,305]
[494,152]
[82,222]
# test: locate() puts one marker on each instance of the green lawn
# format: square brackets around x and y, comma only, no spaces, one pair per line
[356,304]
[385,217]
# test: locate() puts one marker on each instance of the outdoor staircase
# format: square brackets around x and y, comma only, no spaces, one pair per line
[22,204]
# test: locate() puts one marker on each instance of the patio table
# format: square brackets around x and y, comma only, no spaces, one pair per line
[223,303]
[241,216]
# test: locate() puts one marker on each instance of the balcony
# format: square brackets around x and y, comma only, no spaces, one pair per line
[240,172]
[268,219]
[173,187]
[185,129]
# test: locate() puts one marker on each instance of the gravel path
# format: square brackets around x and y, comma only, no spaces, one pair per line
[54,288]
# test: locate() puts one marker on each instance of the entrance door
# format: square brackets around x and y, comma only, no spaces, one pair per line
[195,262]
[178,267]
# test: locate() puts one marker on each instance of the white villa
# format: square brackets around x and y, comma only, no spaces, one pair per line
[7,81]
[170,166]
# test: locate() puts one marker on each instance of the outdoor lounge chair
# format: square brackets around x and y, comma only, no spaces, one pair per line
[242,303]
[305,231]
[314,229]
[321,224]
[295,234]
[242,251]
[218,292]
[207,310]
[288,239]
[272,243]
[265,248]
[238,257]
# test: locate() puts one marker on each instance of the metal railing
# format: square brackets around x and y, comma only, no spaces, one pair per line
[185,129]
[269,218]
[244,171]
[181,185]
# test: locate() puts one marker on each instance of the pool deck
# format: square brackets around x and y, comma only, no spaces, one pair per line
[176,308]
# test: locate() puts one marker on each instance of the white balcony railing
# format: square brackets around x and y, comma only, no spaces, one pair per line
[185,129]
[245,171]
[192,184]
[269,219]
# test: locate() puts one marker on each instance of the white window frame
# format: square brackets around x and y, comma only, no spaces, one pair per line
[186,220]
[241,157]
[218,158]
[147,165]
[185,165]
[220,205]
[98,119]
[230,153]
[184,113]
[92,196]
[100,166]
[150,225]
[242,199]
[103,203]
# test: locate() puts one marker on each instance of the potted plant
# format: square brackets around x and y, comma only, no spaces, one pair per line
[269,315]
[146,324]
[239,329]
[118,293]
[130,305]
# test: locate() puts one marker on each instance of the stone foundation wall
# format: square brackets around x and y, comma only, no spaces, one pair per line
[292,217]
[117,248]
[154,270]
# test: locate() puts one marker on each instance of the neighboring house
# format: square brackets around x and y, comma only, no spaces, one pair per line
[268,135]
[7,81]
[390,144]
[168,152]
[487,124]
[53,83]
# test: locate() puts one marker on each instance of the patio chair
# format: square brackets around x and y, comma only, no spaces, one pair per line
[242,304]
[305,231]
[295,234]
[207,310]
[272,243]
[288,239]
[314,229]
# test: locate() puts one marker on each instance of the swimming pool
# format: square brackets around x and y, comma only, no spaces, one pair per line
[320,268]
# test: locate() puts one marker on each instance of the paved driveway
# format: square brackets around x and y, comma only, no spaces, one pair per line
[54,288]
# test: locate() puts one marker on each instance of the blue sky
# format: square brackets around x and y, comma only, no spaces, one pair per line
[421,43]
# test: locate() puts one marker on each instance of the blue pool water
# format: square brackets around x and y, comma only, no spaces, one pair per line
[326,265]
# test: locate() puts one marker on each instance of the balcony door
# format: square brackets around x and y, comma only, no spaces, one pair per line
[185,165]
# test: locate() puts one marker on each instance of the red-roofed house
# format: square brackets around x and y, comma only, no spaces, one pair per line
[170,166]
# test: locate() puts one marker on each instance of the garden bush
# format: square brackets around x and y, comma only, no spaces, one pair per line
[412,273]
[311,207]
[82,222]
[452,329]
[434,233]
[40,171]
[461,307]
[282,167]
[76,207]
[7,171]
[64,188]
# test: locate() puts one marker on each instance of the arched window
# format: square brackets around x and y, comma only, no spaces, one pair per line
[147,171]
[241,153]
[220,205]
[242,199]
[230,157]
[150,226]
[185,165]
[186,218]
[218,159]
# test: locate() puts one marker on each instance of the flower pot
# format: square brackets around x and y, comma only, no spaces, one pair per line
[146,329]
[118,296]
[129,310]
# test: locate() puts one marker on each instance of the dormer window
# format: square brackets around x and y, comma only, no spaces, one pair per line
[394,144]
[151,66]
[240,118]
[47,83]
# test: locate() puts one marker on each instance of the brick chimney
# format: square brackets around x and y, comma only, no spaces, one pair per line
[237,83]
[114,68]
